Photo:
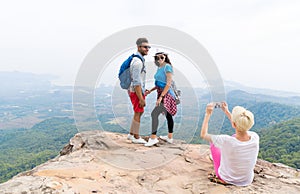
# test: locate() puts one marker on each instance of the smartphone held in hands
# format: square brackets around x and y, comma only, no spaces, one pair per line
[218,104]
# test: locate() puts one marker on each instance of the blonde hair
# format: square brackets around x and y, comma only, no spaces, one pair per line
[242,118]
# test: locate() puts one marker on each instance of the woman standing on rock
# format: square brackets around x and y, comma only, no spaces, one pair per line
[165,103]
[234,157]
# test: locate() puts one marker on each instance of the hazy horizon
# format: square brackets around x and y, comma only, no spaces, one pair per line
[227,83]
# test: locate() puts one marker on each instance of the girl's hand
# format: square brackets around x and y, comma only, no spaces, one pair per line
[224,106]
[147,92]
[158,101]
[209,108]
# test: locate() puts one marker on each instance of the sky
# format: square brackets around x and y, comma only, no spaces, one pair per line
[253,42]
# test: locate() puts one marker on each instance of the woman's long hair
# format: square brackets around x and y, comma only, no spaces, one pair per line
[167,60]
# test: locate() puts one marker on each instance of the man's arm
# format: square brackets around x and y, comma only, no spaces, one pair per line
[138,91]
[137,81]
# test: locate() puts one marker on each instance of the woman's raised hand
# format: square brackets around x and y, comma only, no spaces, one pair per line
[210,108]
[224,106]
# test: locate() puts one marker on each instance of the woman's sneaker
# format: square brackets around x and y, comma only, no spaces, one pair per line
[166,138]
[151,142]
[139,140]
[129,136]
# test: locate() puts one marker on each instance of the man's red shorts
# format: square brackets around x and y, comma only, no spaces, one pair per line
[135,102]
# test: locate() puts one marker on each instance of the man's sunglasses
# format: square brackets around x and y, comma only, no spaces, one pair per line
[146,47]
[159,57]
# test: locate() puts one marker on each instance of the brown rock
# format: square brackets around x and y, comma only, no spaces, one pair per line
[102,162]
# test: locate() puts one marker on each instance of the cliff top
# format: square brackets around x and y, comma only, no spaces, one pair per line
[103,162]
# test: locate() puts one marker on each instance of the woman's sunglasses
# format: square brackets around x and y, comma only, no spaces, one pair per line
[159,57]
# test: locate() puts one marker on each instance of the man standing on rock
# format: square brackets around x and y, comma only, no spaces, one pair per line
[136,90]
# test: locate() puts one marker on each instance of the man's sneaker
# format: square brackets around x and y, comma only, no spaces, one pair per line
[166,138]
[151,142]
[139,140]
[129,136]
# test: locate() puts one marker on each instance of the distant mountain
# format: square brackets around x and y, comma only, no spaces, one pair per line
[231,85]
[12,82]
[257,97]
[15,81]
[267,110]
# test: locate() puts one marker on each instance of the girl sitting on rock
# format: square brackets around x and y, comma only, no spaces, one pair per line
[234,157]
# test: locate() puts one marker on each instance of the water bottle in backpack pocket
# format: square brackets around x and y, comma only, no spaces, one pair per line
[176,91]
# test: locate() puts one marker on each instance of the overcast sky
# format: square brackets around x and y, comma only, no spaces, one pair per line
[253,42]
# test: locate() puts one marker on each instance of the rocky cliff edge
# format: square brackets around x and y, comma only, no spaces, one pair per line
[103,162]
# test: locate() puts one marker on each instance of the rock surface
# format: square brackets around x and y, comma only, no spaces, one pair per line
[102,162]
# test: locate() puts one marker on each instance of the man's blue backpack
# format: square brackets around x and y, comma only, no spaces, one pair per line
[124,72]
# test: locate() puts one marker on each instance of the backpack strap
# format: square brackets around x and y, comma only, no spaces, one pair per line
[143,61]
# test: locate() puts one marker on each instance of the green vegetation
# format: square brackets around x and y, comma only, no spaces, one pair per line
[266,114]
[281,143]
[23,149]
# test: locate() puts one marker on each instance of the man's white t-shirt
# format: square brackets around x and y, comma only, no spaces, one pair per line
[138,73]
[237,158]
